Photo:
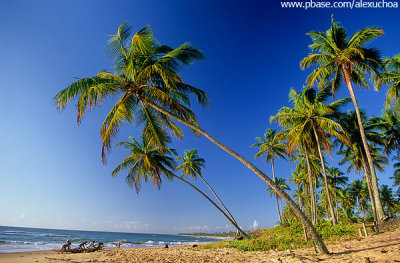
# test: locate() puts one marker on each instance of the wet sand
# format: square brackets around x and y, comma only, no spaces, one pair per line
[383,248]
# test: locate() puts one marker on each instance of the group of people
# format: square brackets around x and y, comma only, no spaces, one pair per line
[82,247]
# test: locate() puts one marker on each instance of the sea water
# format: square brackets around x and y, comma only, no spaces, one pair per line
[21,239]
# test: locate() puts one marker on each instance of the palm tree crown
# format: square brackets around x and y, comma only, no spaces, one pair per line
[191,164]
[145,72]
[146,161]
[338,58]
[270,146]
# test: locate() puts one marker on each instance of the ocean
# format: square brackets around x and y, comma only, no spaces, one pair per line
[21,239]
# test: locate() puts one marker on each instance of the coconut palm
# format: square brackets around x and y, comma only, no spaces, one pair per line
[388,199]
[148,86]
[191,167]
[355,154]
[311,116]
[391,77]
[337,58]
[149,162]
[396,174]
[309,164]
[271,147]
[389,124]
[347,204]
[359,191]
[336,178]
[145,162]
[281,182]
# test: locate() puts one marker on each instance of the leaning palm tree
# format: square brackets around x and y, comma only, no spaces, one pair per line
[149,162]
[338,58]
[271,147]
[310,115]
[391,77]
[281,182]
[191,167]
[148,86]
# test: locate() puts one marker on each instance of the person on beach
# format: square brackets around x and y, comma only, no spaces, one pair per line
[91,244]
[82,245]
[118,245]
[66,246]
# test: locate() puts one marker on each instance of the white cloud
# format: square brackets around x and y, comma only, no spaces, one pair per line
[127,225]
[203,228]
[254,225]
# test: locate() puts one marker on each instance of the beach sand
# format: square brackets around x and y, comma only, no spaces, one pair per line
[384,247]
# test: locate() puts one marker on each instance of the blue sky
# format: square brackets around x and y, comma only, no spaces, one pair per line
[51,172]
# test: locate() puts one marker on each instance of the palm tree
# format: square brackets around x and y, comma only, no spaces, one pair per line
[388,199]
[338,58]
[359,192]
[149,162]
[391,76]
[311,116]
[396,174]
[271,147]
[191,167]
[147,83]
[347,203]
[145,162]
[355,154]
[309,164]
[389,124]
[336,178]
[281,182]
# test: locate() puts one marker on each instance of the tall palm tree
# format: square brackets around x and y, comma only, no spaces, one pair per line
[148,85]
[389,124]
[310,115]
[271,147]
[281,182]
[338,58]
[191,167]
[355,155]
[391,77]
[149,162]
[309,165]
[336,178]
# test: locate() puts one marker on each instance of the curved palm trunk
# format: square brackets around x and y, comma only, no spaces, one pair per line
[276,196]
[214,204]
[219,200]
[319,245]
[312,194]
[328,194]
[379,209]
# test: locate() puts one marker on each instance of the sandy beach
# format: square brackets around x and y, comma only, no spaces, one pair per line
[384,247]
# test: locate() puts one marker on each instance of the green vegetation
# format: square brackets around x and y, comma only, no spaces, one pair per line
[285,237]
